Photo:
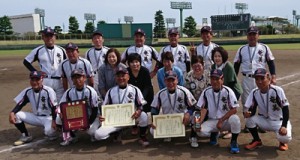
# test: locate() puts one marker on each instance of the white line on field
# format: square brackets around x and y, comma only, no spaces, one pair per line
[25,145]
[290,83]
[285,77]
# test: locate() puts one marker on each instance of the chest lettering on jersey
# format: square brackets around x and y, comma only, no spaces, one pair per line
[43,99]
[225,102]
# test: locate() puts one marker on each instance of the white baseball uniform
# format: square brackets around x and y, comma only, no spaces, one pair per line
[146,52]
[67,67]
[217,105]
[96,58]
[181,56]
[205,52]
[251,58]
[49,61]
[269,107]
[43,105]
[90,96]
[116,95]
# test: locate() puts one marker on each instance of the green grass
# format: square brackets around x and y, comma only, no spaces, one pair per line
[292,46]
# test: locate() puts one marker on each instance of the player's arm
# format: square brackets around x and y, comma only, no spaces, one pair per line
[285,119]
[18,107]
[65,83]
[231,112]
[188,66]
[236,66]
[203,112]
[93,115]
[272,69]
[91,81]
[28,65]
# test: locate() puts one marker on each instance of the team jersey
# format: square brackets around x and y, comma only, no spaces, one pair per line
[67,67]
[49,59]
[96,57]
[147,54]
[252,58]
[217,103]
[178,102]
[196,86]
[87,93]
[130,94]
[180,53]
[205,52]
[268,104]
[42,102]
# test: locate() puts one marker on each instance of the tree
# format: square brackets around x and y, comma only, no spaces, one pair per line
[57,29]
[189,26]
[101,22]
[73,25]
[159,26]
[5,26]
[89,27]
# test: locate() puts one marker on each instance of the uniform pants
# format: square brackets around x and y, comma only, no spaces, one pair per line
[40,121]
[248,84]
[56,85]
[104,132]
[270,125]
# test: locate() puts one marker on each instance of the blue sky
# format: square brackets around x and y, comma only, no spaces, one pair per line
[58,11]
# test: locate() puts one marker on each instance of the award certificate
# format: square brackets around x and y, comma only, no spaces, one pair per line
[118,115]
[168,125]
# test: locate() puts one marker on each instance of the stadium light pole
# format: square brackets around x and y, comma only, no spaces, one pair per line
[181,6]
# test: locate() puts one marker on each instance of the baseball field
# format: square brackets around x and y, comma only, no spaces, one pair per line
[14,78]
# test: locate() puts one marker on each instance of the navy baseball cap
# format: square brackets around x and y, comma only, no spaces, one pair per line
[206,29]
[170,75]
[260,72]
[252,29]
[122,69]
[139,31]
[79,72]
[48,31]
[216,73]
[97,32]
[71,45]
[36,74]
[173,31]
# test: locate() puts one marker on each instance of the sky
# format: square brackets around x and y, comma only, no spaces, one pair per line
[57,12]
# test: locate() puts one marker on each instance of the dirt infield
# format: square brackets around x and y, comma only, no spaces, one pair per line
[14,78]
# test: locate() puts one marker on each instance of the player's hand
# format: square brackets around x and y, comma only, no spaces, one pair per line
[53,125]
[247,114]
[192,48]
[136,114]
[152,126]
[273,79]
[186,119]
[152,74]
[220,124]
[12,118]
[101,119]
[282,131]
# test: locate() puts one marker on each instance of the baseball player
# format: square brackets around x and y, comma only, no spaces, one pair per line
[272,106]
[218,106]
[204,49]
[96,55]
[75,62]
[49,57]
[125,93]
[81,91]
[43,104]
[250,57]
[173,99]
[147,53]
[180,52]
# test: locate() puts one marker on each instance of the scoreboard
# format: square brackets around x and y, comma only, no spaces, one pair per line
[231,22]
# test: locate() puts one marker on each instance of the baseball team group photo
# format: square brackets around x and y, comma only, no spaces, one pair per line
[185,95]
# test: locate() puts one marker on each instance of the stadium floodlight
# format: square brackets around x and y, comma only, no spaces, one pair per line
[90,17]
[128,19]
[170,21]
[41,12]
[181,6]
[241,7]
[204,21]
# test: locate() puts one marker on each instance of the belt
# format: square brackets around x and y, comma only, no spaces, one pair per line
[52,77]
[248,75]
[43,115]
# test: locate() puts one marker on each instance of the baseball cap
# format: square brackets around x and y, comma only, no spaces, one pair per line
[173,31]
[260,72]
[139,31]
[206,29]
[216,73]
[36,74]
[48,31]
[170,74]
[252,29]
[71,45]
[77,72]
[122,69]
[97,32]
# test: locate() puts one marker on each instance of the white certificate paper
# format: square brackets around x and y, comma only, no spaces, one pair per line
[169,125]
[118,115]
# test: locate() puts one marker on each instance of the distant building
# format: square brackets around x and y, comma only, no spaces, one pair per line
[25,23]
[275,21]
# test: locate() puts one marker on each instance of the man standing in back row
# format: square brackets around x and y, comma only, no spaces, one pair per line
[49,57]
